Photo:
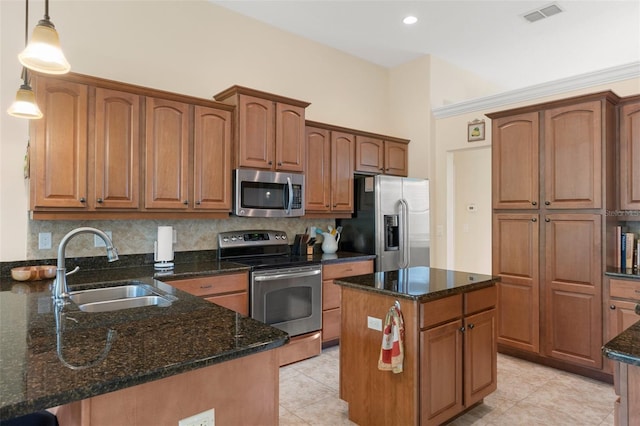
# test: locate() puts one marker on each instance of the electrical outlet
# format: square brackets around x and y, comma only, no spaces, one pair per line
[206,418]
[374,323]
[44,240]
[99,242]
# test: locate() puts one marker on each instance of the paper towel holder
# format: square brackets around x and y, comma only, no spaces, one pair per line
[163,248]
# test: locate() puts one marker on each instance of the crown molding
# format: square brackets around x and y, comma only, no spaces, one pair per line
[607,75]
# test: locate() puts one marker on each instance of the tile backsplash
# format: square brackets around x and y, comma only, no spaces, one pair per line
[138,236]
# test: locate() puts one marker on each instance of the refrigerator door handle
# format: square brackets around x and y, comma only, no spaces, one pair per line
[404,212]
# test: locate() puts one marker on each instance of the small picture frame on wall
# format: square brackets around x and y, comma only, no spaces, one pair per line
[475,131]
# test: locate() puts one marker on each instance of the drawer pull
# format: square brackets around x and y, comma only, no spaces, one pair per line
[206,286]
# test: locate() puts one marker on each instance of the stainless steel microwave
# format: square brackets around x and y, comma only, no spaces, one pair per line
[260,193]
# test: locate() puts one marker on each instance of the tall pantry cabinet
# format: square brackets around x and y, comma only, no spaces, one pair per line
[553,181]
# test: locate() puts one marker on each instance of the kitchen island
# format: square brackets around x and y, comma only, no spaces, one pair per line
[148,365]
[450,350]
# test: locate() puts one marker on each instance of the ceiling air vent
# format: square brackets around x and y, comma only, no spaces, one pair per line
[543,12]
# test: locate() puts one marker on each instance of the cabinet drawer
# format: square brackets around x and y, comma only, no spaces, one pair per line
[440,311]
[238,302]
[330,295]
[217,284]
[624,289]
[347,269]
[331,324]
[480,300]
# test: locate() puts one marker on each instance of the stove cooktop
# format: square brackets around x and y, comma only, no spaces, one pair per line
[259,249]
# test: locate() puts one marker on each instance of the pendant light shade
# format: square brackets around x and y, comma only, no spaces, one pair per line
[25,104]
[43,53]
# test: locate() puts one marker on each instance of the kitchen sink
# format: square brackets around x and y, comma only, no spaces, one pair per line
[132,294]
[132,302]
[110,293]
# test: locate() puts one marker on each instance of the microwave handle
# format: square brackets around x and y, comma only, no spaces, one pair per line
[290,195]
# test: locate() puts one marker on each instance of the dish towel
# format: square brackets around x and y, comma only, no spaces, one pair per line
[392,349]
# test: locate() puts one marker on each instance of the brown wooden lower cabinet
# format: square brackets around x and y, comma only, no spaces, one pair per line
[242,391]
[331,295]
[228,290]
[450,358]
[627,386]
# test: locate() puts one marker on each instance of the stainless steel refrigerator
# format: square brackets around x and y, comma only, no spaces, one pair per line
[390,220]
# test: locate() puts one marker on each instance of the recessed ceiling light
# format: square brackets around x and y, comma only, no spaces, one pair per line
[410,20]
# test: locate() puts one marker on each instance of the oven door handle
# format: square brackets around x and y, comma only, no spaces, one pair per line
[286,275]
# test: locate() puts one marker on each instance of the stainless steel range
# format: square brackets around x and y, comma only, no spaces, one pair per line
[285,291]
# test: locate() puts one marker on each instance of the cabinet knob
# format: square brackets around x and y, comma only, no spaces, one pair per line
[326,205]
[462,329]
[533,219]
[99,200]
[82,199]
[270,162]
[534,203]
[612,307]
[546,219]
[185,202]
[546,203]
[198,203]
[335,205]
[279,163]
[471,326]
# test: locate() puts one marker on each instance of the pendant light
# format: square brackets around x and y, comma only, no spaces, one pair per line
[25,105]
[43,53]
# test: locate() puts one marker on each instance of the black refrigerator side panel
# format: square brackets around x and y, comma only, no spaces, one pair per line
[358,233]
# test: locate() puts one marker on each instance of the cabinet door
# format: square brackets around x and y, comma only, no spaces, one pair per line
[167,154]
[573,289]
[480,356]
[573,156]
[622,315]
[117,149]
[396,158]
[515,162]
[441,373]
[515,260]
[59,178]
[290,146]
[211,159]
[256,134]
[342,153]
[369,155]
[630,156]
[318,170]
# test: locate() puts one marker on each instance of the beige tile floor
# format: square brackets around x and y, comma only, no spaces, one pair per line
[528,394]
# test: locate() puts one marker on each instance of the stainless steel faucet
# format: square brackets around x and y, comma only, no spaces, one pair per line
[60,290]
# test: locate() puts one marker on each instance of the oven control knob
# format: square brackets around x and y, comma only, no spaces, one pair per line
[233,238]
[225,239]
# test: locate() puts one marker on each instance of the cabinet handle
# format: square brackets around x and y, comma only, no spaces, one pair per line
[533,219]
[206,286]
[462,329]
[198,202]
[534,203]
[612,307]
[99,200]
[185,202]
[471,326]
[546,203]
[546,219]
[82,199]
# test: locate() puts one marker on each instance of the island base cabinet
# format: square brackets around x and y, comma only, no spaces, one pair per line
[242,391]
[627,387]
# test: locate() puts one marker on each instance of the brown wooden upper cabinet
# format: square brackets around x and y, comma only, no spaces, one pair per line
[269,130]
[629,116]
[329,171]
[59,145]
[571,135]
[374,155]
[103,146]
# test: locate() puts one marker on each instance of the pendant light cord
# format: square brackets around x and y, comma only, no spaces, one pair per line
[46,9]
[25,73]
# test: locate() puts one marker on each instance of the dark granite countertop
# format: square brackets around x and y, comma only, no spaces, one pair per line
[39,362]
[419,283]
[625,347]
[632,274]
